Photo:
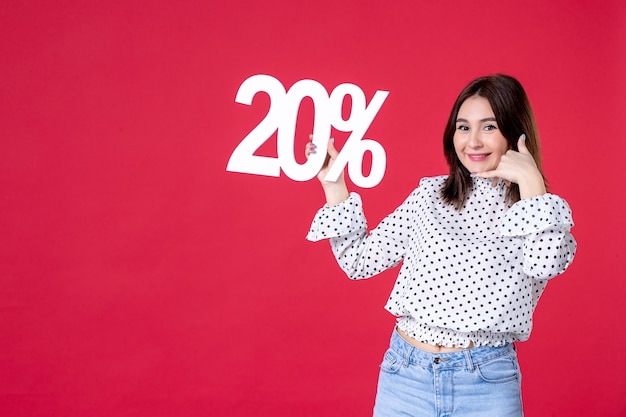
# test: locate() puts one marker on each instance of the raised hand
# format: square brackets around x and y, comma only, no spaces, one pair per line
[519,167]
[337,191]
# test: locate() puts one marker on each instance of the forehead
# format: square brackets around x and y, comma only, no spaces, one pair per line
[475,107]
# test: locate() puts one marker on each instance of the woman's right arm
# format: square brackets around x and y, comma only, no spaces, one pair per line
[359,253]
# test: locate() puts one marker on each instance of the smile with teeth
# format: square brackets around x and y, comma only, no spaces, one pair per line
[477,157]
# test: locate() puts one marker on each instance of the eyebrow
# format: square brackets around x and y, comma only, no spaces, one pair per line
[486,119]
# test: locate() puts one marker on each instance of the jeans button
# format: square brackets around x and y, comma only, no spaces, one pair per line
[437,361]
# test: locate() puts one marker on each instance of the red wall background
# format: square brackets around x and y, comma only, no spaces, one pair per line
[139,277]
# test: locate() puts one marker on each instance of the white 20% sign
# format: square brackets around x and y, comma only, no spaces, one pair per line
[282,116]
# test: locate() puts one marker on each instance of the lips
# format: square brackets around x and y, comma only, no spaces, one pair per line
[477,157]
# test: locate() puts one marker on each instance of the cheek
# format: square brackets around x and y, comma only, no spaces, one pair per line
[499,154]
[458,146]
[502,145]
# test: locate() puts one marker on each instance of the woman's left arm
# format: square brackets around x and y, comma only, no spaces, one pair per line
[543,220]
[544,223]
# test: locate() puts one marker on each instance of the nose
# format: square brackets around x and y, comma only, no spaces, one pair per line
[475,141]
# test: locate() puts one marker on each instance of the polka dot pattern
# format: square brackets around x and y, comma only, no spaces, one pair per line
[473,275]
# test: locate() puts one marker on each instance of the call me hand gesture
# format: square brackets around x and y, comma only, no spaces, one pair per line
[518,167]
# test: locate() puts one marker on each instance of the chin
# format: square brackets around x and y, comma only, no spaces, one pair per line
[475,168]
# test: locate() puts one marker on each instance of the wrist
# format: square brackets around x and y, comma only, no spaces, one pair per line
[532,186]
[335,193]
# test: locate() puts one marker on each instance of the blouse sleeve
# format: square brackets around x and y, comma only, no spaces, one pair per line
[361,254]
[544,223]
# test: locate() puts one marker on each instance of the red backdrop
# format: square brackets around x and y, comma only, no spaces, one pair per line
[139,277]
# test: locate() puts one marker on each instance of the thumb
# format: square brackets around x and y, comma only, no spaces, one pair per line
[521,144]
[332,151]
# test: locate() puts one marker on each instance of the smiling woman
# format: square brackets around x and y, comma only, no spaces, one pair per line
[487,111]
[478,142]
[477,249]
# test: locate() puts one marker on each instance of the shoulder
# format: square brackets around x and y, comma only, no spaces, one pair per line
[432,182]
[428,187]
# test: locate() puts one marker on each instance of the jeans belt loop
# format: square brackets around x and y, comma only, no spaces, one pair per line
[468,360]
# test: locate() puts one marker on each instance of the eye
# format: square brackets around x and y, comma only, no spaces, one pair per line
[462,128]
[491,127]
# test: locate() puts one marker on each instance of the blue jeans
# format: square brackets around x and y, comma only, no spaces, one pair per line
[477,382]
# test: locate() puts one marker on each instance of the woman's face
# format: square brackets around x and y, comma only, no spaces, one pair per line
[478,142]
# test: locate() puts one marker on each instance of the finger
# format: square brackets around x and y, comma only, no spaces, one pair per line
[309,149]
[487,174]
[495,181]
[521,145]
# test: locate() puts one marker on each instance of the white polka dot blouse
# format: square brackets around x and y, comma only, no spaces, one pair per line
[473,275]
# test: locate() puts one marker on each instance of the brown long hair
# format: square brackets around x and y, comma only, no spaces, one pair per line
[514,116]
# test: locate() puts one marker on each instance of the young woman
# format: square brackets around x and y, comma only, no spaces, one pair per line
[477,248]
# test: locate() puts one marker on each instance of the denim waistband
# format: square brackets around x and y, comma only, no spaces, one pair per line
[466,358]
